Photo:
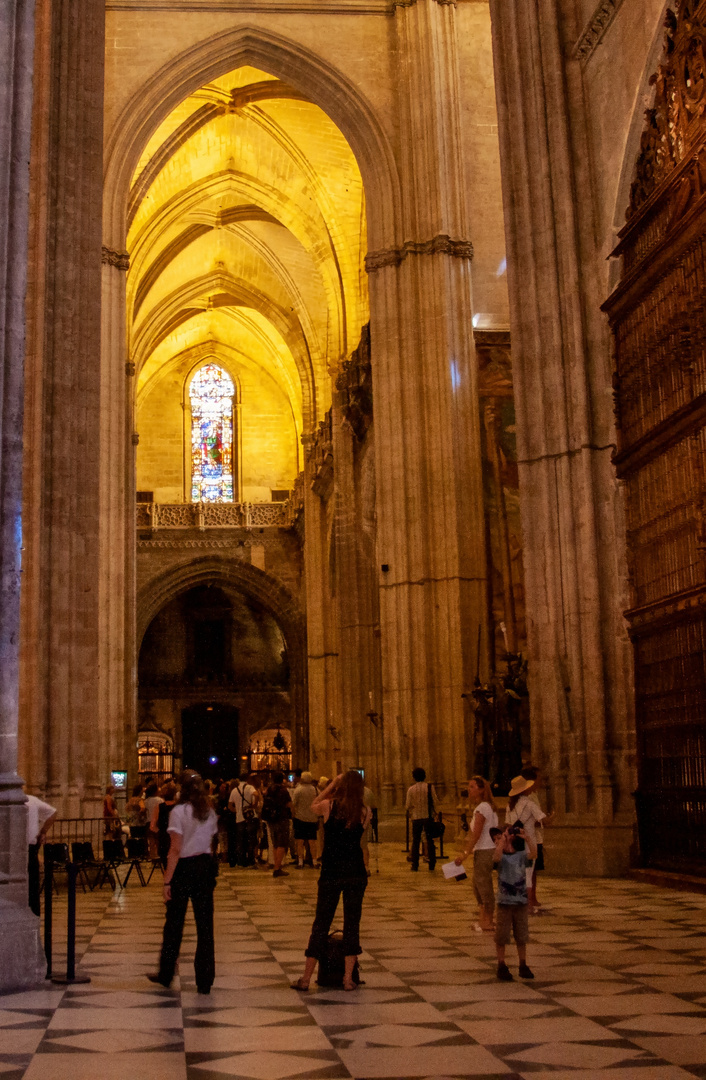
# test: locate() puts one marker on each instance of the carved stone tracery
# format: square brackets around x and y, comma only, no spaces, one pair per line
[354,387]
[320,454]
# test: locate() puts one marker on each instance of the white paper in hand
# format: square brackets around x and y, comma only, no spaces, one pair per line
[452,871]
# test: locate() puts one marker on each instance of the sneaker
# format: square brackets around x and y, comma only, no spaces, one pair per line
[525,972]
[504,973]
[280,873]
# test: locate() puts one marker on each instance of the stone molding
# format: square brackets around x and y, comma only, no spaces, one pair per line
[119,259]
[411,3]
[237,547]
[438,245]
[595,28]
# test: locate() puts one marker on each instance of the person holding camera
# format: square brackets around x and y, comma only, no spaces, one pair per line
[343,874]
[513,847]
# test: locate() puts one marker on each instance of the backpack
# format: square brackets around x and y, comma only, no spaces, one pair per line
[272,806]
[246,807]
[332,963]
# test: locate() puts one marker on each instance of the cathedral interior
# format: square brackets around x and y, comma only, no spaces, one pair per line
[353,409]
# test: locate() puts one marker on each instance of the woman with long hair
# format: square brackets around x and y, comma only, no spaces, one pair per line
[480,842]
[159,825]
[190,875]
[343,873]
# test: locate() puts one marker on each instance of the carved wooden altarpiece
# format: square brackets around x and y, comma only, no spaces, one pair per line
[658,317]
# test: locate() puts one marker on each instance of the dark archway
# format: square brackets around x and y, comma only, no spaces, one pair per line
[239,583]
[210,739]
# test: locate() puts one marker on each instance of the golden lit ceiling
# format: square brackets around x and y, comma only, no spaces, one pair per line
[247,232]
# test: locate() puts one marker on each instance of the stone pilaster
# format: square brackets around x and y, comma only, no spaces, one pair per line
[325,747]
[61,663]
[19,942]
[427,439]
[578,649]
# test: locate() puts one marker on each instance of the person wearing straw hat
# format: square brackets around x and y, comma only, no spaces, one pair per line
[525,811]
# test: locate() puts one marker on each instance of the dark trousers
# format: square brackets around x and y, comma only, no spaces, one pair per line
[419,826]
[33,878]
[245,837]
[232,834]
[193,880]
[329,894]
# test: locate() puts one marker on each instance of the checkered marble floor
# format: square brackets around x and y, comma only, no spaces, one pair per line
[620,989]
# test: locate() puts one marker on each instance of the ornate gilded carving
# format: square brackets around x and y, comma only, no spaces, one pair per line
[674,123]
[438,245]
[119,259]
[354,387]
[129,369]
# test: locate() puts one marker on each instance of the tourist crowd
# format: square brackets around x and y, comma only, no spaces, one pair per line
[254,820]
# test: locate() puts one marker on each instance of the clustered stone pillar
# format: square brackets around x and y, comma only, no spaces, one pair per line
[579,660]
[65,731]
[427,437]
[19,941]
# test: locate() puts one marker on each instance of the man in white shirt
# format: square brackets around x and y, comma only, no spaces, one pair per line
[421,799]
[40,816]
[242,803]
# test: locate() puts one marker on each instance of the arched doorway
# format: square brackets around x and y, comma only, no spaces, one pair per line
[222,655]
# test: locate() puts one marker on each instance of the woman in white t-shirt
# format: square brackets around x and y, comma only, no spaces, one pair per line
[190,875]
[480,842]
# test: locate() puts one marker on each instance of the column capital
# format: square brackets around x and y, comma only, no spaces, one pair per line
[438,245]
[119,259]
[411,3]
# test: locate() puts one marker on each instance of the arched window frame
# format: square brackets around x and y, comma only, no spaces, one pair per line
[218,361]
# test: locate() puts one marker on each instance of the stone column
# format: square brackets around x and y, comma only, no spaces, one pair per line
[578,648]
[19,941]
[427,438]
[116,584]
[61,657]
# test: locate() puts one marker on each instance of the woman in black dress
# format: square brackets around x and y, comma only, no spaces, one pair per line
[343,873]
[160,821]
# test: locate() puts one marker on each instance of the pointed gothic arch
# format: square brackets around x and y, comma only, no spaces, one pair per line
[294,64]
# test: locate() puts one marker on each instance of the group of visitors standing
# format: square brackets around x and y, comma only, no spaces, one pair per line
[516,852]
[191,870]
[184,823]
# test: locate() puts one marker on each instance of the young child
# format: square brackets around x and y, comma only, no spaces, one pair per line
[513,848]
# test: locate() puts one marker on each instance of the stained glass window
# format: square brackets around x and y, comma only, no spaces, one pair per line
[211,396]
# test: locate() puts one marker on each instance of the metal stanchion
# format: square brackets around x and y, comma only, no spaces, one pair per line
[71,976]
[48,887]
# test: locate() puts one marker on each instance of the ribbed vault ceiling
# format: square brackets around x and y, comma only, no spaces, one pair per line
[247,234]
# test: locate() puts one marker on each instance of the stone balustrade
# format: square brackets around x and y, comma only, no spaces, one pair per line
[152,515]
